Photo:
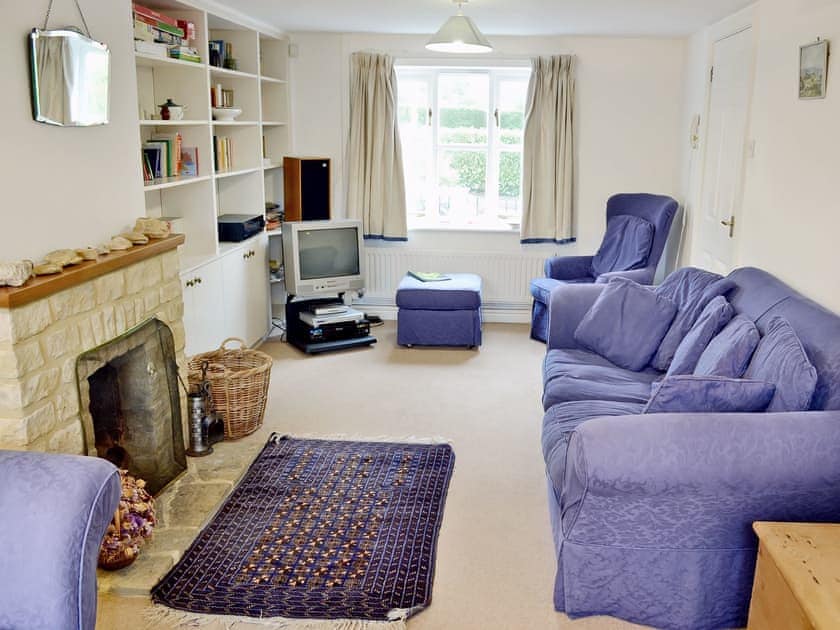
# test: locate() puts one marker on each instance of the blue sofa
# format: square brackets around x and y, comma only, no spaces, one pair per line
[651,514]
[54,510]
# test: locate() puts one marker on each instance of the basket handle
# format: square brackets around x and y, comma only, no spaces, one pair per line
[242,344]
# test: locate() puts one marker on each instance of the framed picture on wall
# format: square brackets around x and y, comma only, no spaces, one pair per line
[813,69]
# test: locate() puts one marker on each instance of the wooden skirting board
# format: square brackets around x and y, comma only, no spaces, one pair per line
[43,286]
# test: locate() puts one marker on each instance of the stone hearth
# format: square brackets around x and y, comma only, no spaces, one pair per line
[47,324]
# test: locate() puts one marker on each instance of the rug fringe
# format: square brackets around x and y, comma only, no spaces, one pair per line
[352,437]
[161,617]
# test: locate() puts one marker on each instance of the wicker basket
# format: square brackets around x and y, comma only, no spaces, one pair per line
[239,385]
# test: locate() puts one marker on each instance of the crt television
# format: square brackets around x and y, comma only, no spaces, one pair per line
[323,257]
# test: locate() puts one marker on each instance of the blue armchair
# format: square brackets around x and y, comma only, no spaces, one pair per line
[54,510]
[637,229]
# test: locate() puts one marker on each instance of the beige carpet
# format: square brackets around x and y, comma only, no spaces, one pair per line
[495,566]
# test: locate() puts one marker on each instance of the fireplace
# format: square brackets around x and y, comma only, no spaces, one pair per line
[131,406]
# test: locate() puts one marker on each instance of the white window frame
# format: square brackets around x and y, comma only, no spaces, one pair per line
[497,71]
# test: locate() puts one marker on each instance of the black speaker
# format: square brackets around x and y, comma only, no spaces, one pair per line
[306,188]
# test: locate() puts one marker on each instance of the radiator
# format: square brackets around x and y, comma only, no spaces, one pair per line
[505,277]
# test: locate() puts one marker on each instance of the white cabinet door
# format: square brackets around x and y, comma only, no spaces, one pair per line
[203,319]
[257,287]
[245,272]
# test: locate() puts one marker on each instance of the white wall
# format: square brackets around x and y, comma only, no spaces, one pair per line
[792,214]
[66,187]
[629,115]
[790,218]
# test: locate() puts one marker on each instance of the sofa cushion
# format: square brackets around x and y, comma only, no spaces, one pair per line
[711,321]
[560,420]
[626,245]
[572,375]
[712,394]
[461,292]
[728,354]
[691,289]
[781,359]
[626,323]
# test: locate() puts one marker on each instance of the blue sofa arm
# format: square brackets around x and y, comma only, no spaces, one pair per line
[642,276]
[568,304]
[54,510]
[568,267]
[698,481]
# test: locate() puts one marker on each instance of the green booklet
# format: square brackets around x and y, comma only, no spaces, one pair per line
[428,276]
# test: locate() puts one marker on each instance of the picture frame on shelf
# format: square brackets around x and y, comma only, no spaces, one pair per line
[813,70]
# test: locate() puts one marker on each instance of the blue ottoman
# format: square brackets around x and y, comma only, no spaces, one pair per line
[445,313]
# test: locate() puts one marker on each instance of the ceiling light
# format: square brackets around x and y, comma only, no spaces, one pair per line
[459,35]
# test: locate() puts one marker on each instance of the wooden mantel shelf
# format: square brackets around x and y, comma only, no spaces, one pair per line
[43,286]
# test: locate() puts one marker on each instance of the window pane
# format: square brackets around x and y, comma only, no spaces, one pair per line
[416,137]
[512,97]
[463,105]
[510,186]
[462,182]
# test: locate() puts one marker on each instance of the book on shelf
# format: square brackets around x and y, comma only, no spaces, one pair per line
[145,11]
[189,161]
[222,154]
[184,53]
[217,52]
[428,276]
[158,154]
[163,27]
[173,142]
[151,48]
[148,169]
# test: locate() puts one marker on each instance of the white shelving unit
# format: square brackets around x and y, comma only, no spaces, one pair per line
[259,139]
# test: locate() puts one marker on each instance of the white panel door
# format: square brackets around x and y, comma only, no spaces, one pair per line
[721,192]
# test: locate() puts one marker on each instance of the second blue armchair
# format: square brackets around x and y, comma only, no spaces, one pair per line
[637,229]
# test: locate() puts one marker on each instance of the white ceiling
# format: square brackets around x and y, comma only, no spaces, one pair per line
[493,17]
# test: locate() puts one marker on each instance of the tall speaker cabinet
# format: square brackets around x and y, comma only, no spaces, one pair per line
[306,186]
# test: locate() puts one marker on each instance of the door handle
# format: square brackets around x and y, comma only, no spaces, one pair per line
[496,116]
[731,225]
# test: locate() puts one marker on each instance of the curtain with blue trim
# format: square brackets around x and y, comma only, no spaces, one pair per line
[548,152]
[376,183]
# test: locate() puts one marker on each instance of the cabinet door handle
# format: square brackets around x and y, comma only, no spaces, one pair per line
[198,280]
[189,283]
[253,253]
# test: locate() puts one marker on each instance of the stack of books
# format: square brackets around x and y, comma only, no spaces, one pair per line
[163,36]
[165,156]
[162,156]
[223,154]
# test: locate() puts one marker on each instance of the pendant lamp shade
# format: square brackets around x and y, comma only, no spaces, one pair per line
[459,35]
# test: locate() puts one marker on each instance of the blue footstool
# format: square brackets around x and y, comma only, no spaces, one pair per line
[445,313]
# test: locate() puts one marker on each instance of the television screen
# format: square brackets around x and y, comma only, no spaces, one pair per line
[328,253]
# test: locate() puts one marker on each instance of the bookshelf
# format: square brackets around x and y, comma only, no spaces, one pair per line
[257,140]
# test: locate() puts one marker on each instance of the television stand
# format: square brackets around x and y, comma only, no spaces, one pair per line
[326,337]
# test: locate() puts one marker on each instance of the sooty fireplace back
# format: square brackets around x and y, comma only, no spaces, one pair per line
[131,411]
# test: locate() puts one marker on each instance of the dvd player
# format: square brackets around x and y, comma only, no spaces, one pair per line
[347,315]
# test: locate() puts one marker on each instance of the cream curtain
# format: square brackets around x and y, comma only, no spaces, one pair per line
[376,184]
[548,161]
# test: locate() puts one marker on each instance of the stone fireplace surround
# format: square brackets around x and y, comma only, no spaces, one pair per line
[48,323]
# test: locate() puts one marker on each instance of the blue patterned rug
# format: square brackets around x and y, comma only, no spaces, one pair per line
[320,529]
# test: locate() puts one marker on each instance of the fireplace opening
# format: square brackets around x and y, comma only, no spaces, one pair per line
[131,407]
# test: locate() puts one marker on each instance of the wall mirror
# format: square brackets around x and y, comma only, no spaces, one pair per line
[69,78]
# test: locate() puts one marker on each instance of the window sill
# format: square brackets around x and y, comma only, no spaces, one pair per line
[464,228]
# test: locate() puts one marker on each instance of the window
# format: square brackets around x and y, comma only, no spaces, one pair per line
[461,132]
